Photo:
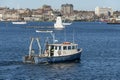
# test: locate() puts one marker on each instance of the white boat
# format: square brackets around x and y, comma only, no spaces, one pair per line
[66,23]
[53,52]
[58,24]
[19,22]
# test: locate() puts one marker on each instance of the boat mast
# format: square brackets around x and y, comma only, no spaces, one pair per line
[53,36]
[51,32]
[73,37]
[65,34]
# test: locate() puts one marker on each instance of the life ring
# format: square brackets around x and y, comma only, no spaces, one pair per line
[66,42]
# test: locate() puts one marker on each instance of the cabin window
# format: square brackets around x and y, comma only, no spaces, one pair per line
[69,47]
[76,47]
[59,47]
[64,47]
[73,47]
[55,47]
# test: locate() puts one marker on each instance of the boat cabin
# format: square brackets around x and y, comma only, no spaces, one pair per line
[63,49]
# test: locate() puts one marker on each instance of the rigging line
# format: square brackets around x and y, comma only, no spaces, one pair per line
[65,34]
[73,37]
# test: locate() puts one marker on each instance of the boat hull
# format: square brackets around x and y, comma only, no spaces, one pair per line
[57,59]
[113,23]
[65,24]
[19,22]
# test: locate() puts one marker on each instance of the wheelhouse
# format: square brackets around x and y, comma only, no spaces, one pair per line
[62,49]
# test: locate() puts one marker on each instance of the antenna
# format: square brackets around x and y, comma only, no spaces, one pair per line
[65,34]
[73,37]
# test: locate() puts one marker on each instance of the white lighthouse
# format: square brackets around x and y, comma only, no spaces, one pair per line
[58,23]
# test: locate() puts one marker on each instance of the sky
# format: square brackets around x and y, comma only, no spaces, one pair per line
[56,4]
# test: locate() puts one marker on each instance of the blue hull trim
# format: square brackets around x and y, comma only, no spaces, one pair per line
[58,59]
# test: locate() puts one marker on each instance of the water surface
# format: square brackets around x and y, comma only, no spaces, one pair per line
[100,58]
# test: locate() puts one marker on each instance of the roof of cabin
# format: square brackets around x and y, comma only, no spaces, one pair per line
[63,44]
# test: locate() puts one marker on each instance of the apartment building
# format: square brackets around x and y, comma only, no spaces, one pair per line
[103,11]
[67,9]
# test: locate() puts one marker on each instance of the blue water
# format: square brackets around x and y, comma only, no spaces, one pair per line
[100,59]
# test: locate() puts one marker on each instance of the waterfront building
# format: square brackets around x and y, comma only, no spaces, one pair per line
[1,16]
[2,12]
[67,9]
[103,11]
[46,8]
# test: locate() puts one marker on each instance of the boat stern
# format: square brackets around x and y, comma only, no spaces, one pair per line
[29,59]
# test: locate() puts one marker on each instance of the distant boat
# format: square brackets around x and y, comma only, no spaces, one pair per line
[58,24]
[114,21]
[44,31]
[53,52]
[66,22]
[19,22]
